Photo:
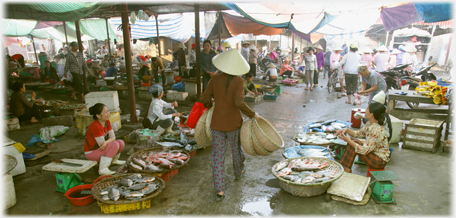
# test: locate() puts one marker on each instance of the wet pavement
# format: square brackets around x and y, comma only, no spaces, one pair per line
[424,186]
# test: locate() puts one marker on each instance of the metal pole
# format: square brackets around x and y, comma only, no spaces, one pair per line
[158,36]
[81,49]
[66,37]
[426,57]
[34,49]
[292,46]
[386,40]
[107,33]
[198,48]
[127,47]
[220,28]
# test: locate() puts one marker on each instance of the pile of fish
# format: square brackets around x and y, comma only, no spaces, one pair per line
[314,152]
[317,138]
[304,171]
[330,125]
[71,106]
[157,161]
[308,151]
[132,187]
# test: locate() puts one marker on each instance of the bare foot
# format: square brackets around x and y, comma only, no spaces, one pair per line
[34,120]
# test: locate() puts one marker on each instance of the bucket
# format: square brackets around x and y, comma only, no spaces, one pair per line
[356,123]
[82,201]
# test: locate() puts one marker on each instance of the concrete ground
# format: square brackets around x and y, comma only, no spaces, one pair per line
[424,186]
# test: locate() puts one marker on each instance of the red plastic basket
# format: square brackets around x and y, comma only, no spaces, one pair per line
[80,201]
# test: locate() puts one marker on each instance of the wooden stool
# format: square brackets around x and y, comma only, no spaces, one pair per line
[370,169]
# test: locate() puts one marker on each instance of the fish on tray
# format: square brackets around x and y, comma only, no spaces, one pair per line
[157,161]
[132,187]
[304,171]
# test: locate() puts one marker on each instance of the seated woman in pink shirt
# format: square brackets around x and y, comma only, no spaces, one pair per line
[286,70]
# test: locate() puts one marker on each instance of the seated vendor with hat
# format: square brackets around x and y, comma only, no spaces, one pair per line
[249,86]
[374,151]
[94,73]
[271,72]
[156,118]
[144,71]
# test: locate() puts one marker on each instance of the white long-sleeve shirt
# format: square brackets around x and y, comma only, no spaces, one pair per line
[245,53]
[156,110]
[350,62]
[381,62]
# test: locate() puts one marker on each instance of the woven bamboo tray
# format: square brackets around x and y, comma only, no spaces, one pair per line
[9,162]
[311,133]
[309,190]
[267,135]
[156,149]
[256,144]
[111,181]
[209,121]
[246,138]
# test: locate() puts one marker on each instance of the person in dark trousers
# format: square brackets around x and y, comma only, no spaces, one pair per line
[180,56]
[20,107]
[157,67]
[327,63]
[144,71]
[207,68]
[75,64]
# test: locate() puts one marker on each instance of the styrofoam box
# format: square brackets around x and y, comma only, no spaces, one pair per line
[109,98]
[191,88]
[101,82]
[176,96]
[397,125]
[20,167]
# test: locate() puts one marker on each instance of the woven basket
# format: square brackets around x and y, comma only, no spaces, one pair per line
[309,190]
[9,162]
[111,181]
[267,135]
[209,121]
[246,138]
[156,149]
[201,137]
[256,145]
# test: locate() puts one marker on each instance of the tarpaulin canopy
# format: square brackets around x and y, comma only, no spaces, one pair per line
[397,16]
[178,27]
[68,11]
[234,25]
[90,29]
[18,27]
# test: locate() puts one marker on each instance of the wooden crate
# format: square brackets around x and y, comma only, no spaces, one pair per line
[422,134]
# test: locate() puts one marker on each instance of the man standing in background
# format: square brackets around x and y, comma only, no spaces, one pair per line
[320,63]
[245,51]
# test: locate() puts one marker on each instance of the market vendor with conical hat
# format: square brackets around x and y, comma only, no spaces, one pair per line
[227,90]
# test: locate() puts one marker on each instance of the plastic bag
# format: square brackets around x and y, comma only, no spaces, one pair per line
[197,110]
[358,100]
[49,134]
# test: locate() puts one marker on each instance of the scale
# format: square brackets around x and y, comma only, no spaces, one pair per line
[67,176]
[382,187]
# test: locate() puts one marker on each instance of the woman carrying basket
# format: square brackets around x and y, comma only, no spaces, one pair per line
[227,89]
[375,150]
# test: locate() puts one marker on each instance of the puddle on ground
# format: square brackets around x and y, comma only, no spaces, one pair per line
[258,208]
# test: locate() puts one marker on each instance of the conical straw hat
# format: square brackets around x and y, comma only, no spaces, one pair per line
[231,62]
[382,48]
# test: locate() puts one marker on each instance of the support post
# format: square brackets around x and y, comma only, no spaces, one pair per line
[158,36]
[292,46]
[198,48]
[66,37]
[426,56]
[81,49]
[386,40]
[220,28]
[127,47]
[107,33]
[34,49]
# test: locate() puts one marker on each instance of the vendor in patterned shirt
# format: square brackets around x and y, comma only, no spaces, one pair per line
[374,151]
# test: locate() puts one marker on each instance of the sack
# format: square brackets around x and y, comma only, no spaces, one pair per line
[197,110]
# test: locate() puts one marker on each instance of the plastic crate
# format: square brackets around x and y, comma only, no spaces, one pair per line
[166,176]
[252,99]
[278,90]
[270,96]
[423,134]
[117,208]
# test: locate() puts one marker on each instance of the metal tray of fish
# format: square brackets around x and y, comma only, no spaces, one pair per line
[71,106]
[314,138]
[128,188]
[308,151]
[156,160]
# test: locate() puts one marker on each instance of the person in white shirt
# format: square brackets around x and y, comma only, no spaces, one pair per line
[381,59]
[245,51]
[350,62]
[393,59]
[271,72]
[192,55]
[409,57]
[156,119]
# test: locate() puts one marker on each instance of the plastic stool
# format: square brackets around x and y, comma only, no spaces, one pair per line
[370,169]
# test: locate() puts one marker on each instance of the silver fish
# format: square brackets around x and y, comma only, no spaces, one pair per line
[281,165]
[132,194]
[152,168]
[126,182]
[150,188]
[139,162]
[105,197]
[138,186]
[322,179]
[288,177]
[114,194]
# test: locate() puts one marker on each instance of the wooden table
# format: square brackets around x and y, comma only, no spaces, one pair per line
[407,114]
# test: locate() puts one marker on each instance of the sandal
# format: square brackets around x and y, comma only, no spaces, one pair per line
[311,89]
[219,198]
[307,88]
[347,102]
